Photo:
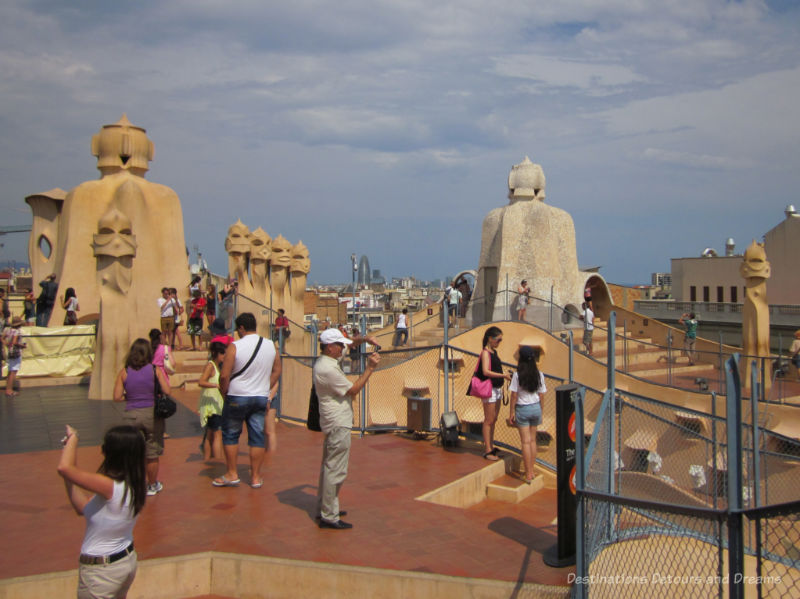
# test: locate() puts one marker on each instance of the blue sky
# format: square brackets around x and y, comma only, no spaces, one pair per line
[389,127]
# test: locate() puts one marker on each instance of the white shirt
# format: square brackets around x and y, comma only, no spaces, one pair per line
[253,382]
[109,523]
[588,319]
[335,406]
[525,398]
[402,321]
[165,304]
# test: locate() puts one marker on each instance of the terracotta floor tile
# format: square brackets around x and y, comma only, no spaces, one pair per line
[391,529]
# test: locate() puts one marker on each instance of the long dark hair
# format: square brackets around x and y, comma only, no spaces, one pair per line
[70,292]
[216,348]
[140,354]
[528,371]
[155,339]
[491,332]
[124,461]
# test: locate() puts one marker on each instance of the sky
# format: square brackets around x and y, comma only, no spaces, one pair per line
[389,127]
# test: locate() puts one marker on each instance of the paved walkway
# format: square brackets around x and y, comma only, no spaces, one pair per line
[392,530]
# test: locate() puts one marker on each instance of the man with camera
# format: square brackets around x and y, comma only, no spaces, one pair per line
[336,394]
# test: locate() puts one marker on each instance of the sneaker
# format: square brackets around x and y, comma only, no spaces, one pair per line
[155,488]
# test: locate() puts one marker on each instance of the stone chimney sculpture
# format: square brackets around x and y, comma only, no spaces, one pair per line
[116,275]
[527,239]
[755,271]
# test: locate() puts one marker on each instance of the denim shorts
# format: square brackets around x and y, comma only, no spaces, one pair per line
[275,404]
[528,414]
[237,410]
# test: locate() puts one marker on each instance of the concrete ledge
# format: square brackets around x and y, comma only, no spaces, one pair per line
[513,490]
[467,490]
[257,577]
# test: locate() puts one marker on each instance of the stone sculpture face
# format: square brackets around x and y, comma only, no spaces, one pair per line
[300,261]
[260,246]
[755,265]
[114,247]
[281,252]
[238,239]
[114,236]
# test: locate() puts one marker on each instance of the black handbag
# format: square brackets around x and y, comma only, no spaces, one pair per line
[163,406]
[312,422]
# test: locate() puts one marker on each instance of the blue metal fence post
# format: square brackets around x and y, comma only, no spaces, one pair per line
[734,466]
[611,382]
[580,516]
[571,356]
[756,450]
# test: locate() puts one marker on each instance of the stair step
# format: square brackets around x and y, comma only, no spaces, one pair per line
[511,489]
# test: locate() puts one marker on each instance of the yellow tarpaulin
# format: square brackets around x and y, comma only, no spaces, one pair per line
[57,351]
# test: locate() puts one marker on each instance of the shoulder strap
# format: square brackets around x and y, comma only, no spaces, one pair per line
[250,361]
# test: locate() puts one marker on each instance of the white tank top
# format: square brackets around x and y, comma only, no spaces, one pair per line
[401,321]
[255,380]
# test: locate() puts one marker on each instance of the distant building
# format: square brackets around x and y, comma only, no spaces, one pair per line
[364,275]
[714,278]
[661,279]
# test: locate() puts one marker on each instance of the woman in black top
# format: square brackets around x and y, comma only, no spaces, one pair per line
[491,368]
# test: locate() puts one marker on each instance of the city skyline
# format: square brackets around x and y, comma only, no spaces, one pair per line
[389,128]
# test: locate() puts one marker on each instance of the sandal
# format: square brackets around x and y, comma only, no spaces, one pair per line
[225,482]
[490,456]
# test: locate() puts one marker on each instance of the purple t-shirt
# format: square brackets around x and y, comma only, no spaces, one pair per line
[140,387]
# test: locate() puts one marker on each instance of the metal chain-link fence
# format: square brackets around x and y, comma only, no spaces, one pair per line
[656,498]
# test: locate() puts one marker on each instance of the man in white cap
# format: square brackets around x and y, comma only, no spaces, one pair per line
[335,393]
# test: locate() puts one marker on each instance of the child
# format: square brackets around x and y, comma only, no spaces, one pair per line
[195,327]
[12,340]
[210,406]
[526,405]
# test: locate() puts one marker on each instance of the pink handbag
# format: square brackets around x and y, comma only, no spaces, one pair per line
[477,387]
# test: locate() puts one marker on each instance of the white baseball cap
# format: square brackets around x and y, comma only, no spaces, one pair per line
[329,336]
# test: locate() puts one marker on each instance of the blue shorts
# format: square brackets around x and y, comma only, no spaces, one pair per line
[275,404]
[239,409]
[528,415]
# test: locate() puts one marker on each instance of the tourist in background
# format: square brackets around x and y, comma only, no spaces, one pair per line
[526,408]
[110,500]
[167,309]
[5,311]
[794,353]
[454,303]
[46,300]
[29,309]
[162,356]
[136,386]
[12,341]
[401,329]
[523,294]
[211,304]
[219,332]
[198,310]
[336,393]
[689,321]
[588,327]
[194,284]
[178,316]
[70,304]
[281,326]
[491,368]
[211,403]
